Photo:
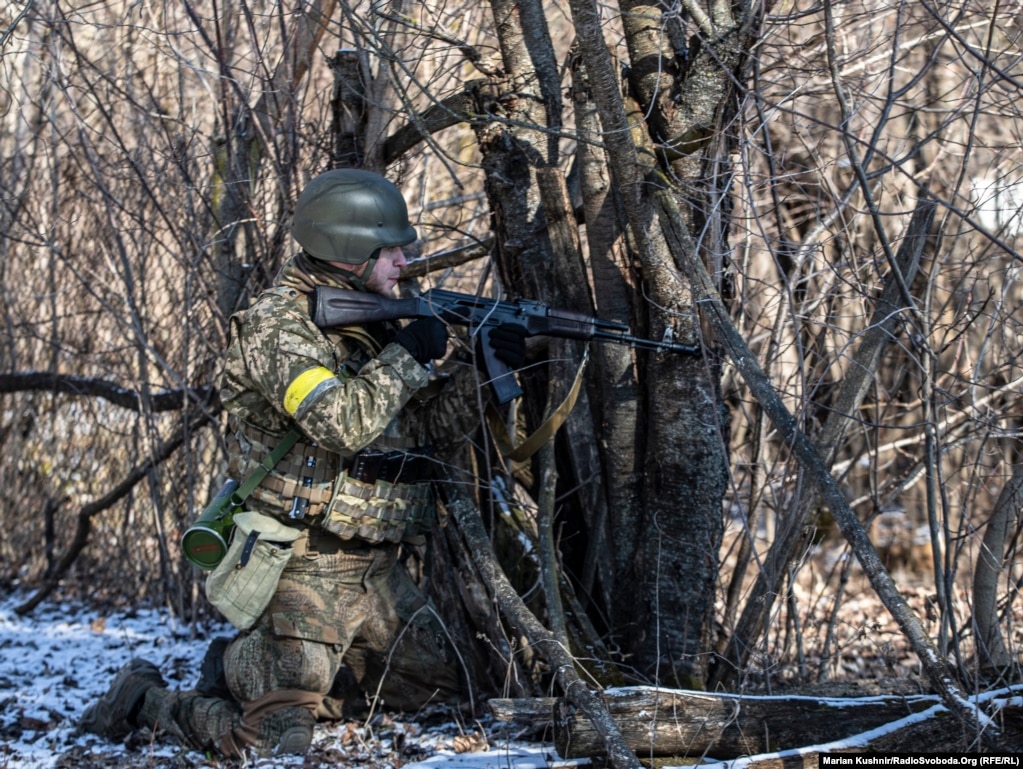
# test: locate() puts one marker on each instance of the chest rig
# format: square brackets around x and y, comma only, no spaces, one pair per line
[380,494]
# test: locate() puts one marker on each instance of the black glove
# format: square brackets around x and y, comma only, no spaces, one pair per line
[425,339]
[508,342]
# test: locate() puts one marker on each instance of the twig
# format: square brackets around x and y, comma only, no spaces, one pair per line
[85,515]
[804,451]
[881,330]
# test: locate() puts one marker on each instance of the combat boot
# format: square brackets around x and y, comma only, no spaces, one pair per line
[212,678]
[113,715]
[286,732]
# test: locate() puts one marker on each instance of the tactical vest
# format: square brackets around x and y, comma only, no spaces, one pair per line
[378,495]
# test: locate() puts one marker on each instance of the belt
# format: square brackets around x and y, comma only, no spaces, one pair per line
[315,541]
[370,466]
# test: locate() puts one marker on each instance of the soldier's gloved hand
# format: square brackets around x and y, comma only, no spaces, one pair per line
[426,339]
[508,341]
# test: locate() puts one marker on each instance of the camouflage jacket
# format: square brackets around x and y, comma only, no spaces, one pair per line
[346,390]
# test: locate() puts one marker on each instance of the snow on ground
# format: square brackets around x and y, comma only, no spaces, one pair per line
[60,657]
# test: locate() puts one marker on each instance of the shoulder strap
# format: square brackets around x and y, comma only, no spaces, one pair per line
[544,432]
[256,476]
[360,335]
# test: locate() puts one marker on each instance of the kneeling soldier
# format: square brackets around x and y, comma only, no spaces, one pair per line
[344,619]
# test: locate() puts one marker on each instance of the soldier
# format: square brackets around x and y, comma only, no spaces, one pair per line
[345,619]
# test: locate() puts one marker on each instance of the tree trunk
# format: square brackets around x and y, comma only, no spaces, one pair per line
[668,560]
[991,648]
[616,398]
[668,601]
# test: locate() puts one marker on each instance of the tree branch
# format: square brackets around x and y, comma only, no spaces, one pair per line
[44,381]
[801,446]
[455,109]
[85,515]
[454,257]
[467,517]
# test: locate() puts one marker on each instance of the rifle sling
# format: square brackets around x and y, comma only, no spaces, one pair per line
[256,476]
[544,432]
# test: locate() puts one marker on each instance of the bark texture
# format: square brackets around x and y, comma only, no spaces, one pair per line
[686,725]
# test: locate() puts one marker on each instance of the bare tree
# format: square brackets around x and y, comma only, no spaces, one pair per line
[824,197]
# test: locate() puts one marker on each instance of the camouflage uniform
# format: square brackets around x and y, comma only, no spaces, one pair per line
[343,595]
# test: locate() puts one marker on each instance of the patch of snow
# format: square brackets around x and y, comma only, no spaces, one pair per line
[60,657]
[520,757]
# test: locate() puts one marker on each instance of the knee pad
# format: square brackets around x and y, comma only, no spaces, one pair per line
[263,662]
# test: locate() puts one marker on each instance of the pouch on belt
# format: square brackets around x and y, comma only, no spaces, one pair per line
[245,580]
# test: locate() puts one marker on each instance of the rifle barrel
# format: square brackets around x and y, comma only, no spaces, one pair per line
[649,344]
[541,320]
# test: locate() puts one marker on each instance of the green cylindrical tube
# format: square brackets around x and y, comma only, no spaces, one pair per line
[205,542]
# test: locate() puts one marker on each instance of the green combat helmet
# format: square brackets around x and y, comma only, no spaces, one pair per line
[347,215]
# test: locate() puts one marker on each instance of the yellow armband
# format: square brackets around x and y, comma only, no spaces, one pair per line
[305,384]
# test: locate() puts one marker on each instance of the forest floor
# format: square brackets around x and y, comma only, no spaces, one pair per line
[62,655]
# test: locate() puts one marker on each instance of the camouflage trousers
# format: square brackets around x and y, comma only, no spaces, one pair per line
[341,627]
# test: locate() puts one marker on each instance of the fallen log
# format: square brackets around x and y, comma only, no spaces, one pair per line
[663,722]
[536,713]
[932,731]
[778,731]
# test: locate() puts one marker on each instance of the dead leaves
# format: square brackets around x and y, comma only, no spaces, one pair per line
[471,743]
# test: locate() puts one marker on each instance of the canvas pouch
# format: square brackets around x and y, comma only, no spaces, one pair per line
[377,512]
[245,580]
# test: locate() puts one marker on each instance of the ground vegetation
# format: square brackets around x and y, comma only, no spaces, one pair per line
[824,198]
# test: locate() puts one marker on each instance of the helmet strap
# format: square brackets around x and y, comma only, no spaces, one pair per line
[370,264]
[359,282]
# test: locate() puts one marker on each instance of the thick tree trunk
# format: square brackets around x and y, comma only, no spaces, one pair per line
[675,558]
[668,602]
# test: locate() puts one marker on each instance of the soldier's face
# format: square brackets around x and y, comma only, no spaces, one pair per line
[386,271]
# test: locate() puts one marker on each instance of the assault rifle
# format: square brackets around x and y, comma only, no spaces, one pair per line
[343,307]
